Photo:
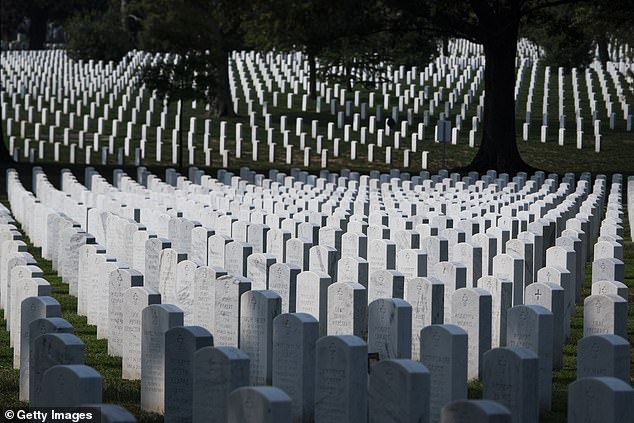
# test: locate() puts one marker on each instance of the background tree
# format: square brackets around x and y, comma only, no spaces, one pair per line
[202,34]
[97,34]
[496,25]
[325,30]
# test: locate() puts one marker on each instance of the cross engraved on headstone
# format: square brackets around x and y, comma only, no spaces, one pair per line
[597,305]
[538,294]
[604,290]
[465,300]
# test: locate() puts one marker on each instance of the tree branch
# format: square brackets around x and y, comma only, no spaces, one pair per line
[546,5]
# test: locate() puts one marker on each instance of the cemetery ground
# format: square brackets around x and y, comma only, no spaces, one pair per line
[615,156]
[127,393]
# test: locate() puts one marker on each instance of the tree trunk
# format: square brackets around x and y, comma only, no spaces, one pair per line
[123,14]
[222,103]
[37,29]
[312,78]
[5,154]
[498,147]
[604,53]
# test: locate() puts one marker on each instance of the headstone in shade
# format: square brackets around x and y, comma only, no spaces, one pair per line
[236,254]
[259,404]
[600,399]
[390,328]
[257,311]
[605,314]
[560,277]
[475,411]
[472,312]
[443,350]
[120,280]
[21,290]
[470,256]
[603,355]
[26,282]
[181,343]
[204,296]
[199,253]
[564,258]
[294,340]
[381,255]
[323,259]
[399,391]
[47,351]
[276,243]
[610,269]
[347,309]
[510,378]
[312,296]
[523,249]
[153,248]
[550,296]
[258,265]
[453,276]
[501,292]
[610,287]
[341,379]
[426,296]
[385,284]
[488,244]
[510,268]
[531,327]
[298,252]
[229,289]
[216,250]
[411,263]
[185,290]
[135,299]
[37,327]
[352,269]
[354,244]
[156,320]
[217,372]
[70,385]
[437,250]
[168,268]
[283,281]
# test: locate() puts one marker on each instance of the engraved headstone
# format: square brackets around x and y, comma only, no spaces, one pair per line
[443,350]
[294,340]
[257,311]
[135,299]
[156,320]
[341,378]
[181,343]
[510,378]
[603,355]
[217,372]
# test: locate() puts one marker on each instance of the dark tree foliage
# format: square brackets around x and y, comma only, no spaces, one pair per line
[97,35]
[41,12]
[495,24]
[200,35]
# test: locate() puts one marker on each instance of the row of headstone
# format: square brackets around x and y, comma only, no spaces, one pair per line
[478,333]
